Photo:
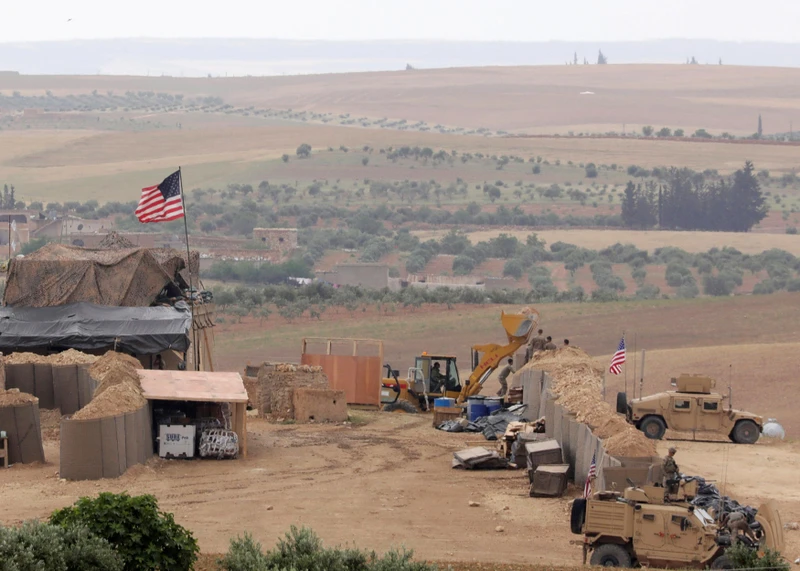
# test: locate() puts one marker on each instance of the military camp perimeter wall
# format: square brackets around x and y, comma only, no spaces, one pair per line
[68,388]
[577,441]
[106,447]
[23,427]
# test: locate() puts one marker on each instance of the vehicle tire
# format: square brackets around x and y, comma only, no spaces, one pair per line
[610,555]
[745,432]
[653,427]
[577,516]
[722,562]
[622,403]
[400,405]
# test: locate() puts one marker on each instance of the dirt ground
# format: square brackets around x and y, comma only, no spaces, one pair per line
[383,481]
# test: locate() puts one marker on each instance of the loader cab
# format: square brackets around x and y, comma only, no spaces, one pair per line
[448,370]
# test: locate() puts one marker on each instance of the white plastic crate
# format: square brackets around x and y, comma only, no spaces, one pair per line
[176,441]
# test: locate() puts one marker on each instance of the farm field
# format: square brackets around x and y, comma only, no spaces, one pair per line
[527,99]
[597,239]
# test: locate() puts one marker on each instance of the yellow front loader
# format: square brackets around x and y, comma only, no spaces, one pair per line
[420,388]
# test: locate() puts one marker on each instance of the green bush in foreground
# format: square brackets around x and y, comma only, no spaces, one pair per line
[302,550]
[145,538]
[44,547]
[743,557]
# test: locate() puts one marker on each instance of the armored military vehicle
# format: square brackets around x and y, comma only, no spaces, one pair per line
[691,407]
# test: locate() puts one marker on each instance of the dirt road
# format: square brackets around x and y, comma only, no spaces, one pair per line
[381,482]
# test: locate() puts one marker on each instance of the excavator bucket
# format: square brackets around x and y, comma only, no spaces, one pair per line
[518,325]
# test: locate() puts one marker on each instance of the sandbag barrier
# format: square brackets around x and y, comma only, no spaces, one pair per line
[24,431]
[106,447]
[68,388]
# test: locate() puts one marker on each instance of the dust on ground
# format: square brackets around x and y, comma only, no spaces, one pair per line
[384,484]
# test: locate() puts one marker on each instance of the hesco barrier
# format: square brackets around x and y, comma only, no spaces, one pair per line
[22,425]
[105,447]
[576,439]
[73,387]
[65,387]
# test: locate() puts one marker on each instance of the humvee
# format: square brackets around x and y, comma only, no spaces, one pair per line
[655,526]
[691,407]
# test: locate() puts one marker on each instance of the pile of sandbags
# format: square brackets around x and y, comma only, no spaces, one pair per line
[277,383]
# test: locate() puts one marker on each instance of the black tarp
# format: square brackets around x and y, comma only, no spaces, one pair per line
[85,326]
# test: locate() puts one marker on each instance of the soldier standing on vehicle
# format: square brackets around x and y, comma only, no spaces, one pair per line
[550,346]
[536,344]
[670,467]
[736,522]
[507,370]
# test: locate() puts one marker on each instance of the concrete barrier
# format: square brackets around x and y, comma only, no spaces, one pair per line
[23,428]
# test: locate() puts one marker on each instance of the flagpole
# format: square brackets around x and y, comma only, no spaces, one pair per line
[634,366]
[195,353]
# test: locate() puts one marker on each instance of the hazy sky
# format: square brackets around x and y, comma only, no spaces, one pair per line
[480,20]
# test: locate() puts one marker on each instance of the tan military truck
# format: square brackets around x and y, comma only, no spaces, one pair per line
[647,526]
[691,407]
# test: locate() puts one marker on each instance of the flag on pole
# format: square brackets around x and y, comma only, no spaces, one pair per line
[163,202]
[618,359]
[587,488]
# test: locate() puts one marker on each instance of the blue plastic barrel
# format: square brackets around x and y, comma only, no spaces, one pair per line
[494,404]
[444,402]
[476,411]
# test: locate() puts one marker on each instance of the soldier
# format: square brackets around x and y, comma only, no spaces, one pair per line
[536,344]
[670,467]
[507,370]
[566,342]
[550,346]
[736,522]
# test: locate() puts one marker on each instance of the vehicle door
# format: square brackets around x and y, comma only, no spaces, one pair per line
[682,413]
[649,529]
[422,375]
[684,537]
[709,413]
[453,381]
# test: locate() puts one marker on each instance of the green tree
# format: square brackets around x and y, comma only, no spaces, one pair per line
[365,161]
[601,59]
[746,204]
[664,132]
[513,268]
[647,130]
[303,151]
[679,132]
[591,170]
[760,132]
[285,158]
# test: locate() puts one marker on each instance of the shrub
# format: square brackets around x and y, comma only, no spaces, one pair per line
[144,537]
[302,550]
[688,291]
[743,557]
[603,294]
[791,230]
[591,170]
[463,265]
[765,287]
[513,268]
[793,285]
[648,291]
[42,546]
[717,286]
[676,274]
[638,275]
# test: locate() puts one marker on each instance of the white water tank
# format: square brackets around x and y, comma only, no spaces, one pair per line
[773,429]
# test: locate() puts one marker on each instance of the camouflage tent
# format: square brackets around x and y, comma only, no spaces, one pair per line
[58,275]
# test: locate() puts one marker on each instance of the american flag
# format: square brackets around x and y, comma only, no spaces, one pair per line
[618,359]
[163,202]
[587,488]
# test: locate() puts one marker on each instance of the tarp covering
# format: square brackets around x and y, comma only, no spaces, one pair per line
[85,326]
[58,275]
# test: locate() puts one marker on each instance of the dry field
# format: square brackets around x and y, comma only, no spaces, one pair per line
[748,243]
[528,99]
[47,162]
[381,484]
